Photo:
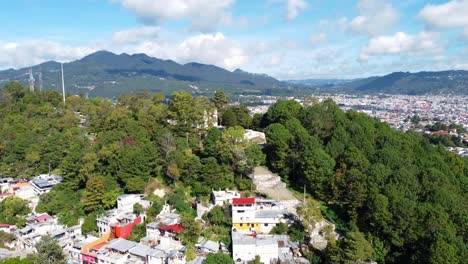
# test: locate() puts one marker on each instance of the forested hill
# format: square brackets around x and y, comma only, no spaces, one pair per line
[443,82]
[398,198]
[395,197]
[109,75]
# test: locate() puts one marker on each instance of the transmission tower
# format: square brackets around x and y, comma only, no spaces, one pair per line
[40,79]
[31,80]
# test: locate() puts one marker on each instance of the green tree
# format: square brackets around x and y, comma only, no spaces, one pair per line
[356,249]
[89,225]
[48,251]
[181,110]
[218,217]
[218,258]
[282,111]
[94,195]
[220,100]
[279,229]
[229,118]
[211,143]
[13,210]
[191,232]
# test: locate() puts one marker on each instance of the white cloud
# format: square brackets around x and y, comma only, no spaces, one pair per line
[32,52]
[453,14]
[318,38]
[294,7]
[376,17]
[204,15]
[135,35]
[401,43]
[204,48]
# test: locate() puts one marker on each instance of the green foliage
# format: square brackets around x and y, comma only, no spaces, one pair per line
[279,229]
[13,210]
[220,100]
[138,208]
[16,260]
[394,187]
[192,230]
[218,217]
[138,232]
[218,258]
[93,196]
[5,238]
[48,251]
[282,111]
[356,249]
[178,199]
[89,225]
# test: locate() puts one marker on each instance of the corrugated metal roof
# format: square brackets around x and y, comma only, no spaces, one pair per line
[140,250]
[122,245]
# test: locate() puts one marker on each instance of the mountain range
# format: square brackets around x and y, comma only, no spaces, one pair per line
[107,74]
[441,82]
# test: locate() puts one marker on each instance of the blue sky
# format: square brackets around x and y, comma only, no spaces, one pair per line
[288,39]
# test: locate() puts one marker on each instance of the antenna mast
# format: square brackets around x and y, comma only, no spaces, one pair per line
[63,84]
[31,81]
[40,79]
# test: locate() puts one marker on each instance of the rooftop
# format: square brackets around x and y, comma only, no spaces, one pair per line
[243,201]
[122,245]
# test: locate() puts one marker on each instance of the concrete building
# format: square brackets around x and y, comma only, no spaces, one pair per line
[257,216]
[44,183]
[270,249]
[126,202]
[222,198]
[245,248]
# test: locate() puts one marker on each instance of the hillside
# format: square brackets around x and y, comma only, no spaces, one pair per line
[443,82]
[107,74]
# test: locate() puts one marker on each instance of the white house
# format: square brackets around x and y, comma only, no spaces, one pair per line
[126,202]
[250,215]
[223,197]
[245,248]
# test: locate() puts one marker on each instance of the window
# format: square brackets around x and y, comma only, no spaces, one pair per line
[252,225]
[265,224]
[241,224]
[240,211]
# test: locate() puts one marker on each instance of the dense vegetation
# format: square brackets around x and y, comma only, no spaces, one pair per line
[124,146]
[396,197]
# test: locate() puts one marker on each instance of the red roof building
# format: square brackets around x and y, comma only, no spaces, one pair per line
[177,228]
[43,218]
[243,201]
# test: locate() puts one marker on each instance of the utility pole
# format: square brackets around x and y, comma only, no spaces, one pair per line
[63,84]
[40,79]
[31,81]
